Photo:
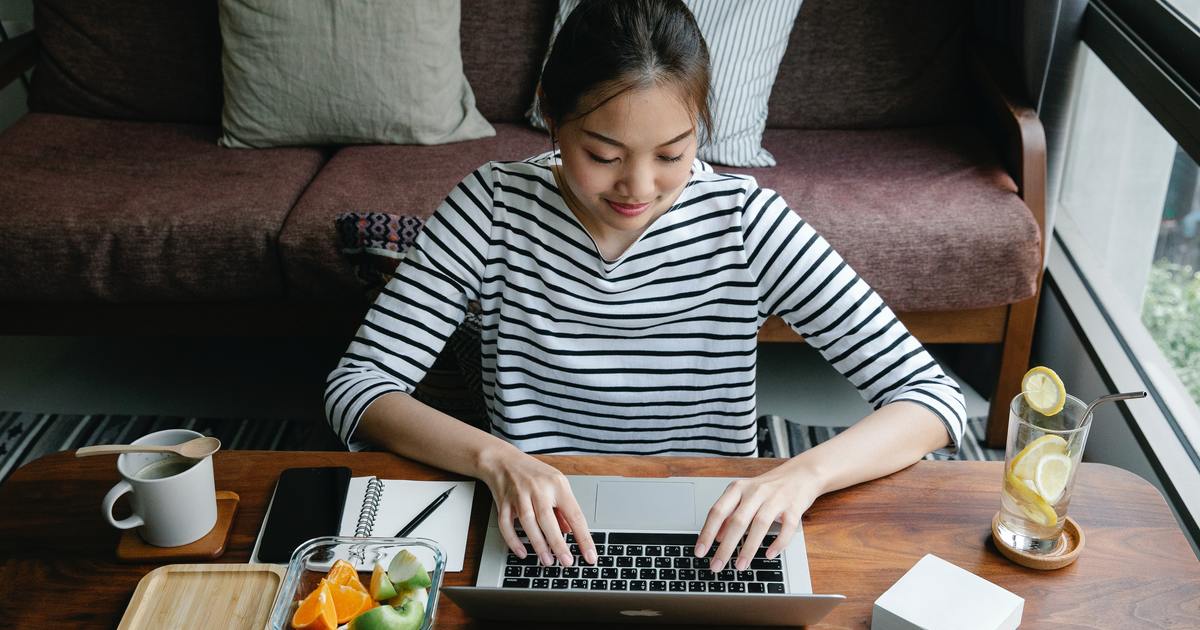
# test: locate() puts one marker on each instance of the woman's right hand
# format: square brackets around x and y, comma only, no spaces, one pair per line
[540,497]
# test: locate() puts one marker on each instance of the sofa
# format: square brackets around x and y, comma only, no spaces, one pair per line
[898,136]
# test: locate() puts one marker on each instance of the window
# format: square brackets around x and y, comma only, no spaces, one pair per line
[1188,9]
[1171,301]
[1124,201]
[1128,210]
[13,21]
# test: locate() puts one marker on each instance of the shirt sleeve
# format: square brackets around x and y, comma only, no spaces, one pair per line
[806,283]
[419,308]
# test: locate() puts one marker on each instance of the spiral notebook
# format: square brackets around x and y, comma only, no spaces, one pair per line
[380,507]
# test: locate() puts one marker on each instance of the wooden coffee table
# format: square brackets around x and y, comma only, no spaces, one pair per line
[1137,571]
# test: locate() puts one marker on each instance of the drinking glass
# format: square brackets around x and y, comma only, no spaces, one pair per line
[1040,462]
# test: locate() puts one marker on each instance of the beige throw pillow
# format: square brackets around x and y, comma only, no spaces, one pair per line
[330,72]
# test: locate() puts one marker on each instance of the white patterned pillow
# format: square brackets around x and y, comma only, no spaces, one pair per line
[746,42]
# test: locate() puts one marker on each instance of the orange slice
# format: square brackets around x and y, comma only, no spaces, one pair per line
[349,601]
[317,611]
[341,572]
[344,573]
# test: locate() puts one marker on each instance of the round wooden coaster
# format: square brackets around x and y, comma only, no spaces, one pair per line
[1070,543]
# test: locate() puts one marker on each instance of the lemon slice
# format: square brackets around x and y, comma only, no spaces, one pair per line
[1031,503]
[1053,472]
[1044,391]
[1025,464]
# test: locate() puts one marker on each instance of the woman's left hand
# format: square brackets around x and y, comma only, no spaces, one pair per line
[750,506]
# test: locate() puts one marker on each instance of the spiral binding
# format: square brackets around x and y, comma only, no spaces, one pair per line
[370,507]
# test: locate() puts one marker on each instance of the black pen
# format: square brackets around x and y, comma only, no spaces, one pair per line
[407,529]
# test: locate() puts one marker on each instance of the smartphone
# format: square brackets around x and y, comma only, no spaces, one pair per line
[307,503]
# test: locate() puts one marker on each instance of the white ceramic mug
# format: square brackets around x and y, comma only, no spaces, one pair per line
[172,510]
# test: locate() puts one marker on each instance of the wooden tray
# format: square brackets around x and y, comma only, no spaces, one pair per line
[132,548]
[204,596]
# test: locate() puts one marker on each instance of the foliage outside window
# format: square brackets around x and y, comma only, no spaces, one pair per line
[1170,312]
[1171,304]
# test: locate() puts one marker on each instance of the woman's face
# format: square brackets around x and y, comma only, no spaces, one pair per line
[626,162]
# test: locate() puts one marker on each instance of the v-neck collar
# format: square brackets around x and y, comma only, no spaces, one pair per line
[552,161]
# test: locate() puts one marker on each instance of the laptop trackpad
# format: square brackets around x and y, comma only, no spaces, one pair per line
[645,505]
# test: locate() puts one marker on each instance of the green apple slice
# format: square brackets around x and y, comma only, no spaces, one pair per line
[381,587]
[405,594]
[407,617]
[406,571]
[412,613]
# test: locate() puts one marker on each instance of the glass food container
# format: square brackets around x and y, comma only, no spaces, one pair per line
[313,559]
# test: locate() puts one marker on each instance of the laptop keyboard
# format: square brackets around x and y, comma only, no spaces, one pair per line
[645,561]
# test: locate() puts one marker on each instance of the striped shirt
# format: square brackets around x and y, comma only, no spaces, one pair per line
[652,353]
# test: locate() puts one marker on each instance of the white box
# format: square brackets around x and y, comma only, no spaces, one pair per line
[937,595]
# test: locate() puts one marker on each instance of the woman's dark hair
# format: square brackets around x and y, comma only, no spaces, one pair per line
[606,47]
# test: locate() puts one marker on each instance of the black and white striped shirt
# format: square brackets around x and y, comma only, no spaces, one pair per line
[652,353]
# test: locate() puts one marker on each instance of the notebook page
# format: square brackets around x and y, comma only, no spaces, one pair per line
[402,500]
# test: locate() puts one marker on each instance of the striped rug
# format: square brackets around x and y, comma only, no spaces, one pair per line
[26,436]
[801,437]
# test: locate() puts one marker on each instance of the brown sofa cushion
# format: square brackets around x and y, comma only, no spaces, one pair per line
[143,60]
[160,61]
[873,63]
[891,64]
[141,212]
[927,216]
[390,179]
[503,43]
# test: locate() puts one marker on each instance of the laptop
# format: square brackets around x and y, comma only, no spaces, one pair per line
[644,531]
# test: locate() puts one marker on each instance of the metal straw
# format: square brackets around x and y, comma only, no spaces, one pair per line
[1087,413]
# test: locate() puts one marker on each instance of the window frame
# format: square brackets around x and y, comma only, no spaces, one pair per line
[1144,44]
[1122,350]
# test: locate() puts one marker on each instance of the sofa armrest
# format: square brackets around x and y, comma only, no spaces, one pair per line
[1014,125]
[16,56]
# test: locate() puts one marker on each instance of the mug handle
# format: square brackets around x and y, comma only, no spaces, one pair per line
[111,498]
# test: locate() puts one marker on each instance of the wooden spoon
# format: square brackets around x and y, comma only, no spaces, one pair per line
[197,448]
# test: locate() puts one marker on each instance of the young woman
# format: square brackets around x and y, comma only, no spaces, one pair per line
[621,285]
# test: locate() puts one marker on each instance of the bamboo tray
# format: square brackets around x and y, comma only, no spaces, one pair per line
[203,596]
